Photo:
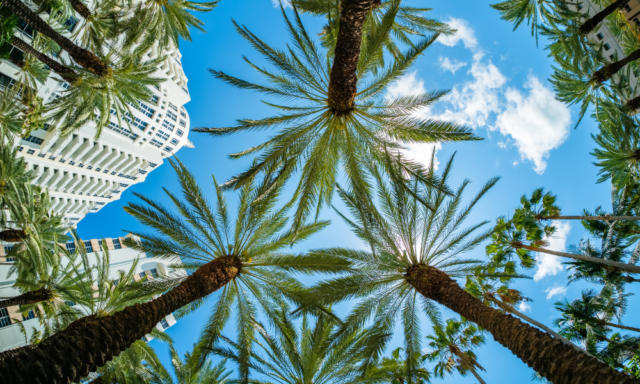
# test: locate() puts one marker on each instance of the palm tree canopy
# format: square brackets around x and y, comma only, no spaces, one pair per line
[256,238]
[316,140]
[416,224]
[452,347]
[189,370]
[307,354]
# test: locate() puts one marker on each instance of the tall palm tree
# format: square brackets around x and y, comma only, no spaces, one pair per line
[407,23]
[245,258]
[307,354]
[535,12]
[130,81]
[415,253]
[452,347]
[393,369]
[164,22]
[189,370]
[336,124]
[589,25]
[81,56]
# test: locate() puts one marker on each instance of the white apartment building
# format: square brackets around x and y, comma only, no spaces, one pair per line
[602,35]
[120,257]
[84,174]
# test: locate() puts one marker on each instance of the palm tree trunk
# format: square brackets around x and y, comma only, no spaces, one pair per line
[617,265]
[65,72]
[74,352]
[622,327]
[603,218]
[98,380]
[80,55]
[526,318]
[32,297]
[477,376]
[13,235]
[605,73]
[343,80]
[551,358]
[82,10]
[593,22]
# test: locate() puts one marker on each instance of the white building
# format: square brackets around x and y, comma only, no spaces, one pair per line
[121,258]
[84,174]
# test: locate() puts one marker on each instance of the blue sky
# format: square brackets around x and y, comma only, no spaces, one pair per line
[499,87]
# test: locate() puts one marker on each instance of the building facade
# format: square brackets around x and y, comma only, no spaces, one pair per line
[84,174]
[121,258]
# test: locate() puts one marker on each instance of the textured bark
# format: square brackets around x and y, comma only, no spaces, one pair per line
[615,264]
[80,55]
[32,297]
[603,218]
[19,63]
[555,361]
[633,105]
[13,235]
[82,10]
[343,80]
[98,380]
[605,73]
[74,352]
[526,318]
[66,73]
[473,371]
[599,17]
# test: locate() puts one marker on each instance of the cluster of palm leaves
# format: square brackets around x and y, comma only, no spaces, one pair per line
[273,312]
[105,60]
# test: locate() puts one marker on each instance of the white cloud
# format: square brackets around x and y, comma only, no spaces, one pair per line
[537,122]
[407,85]
[450,65]
[463,33]
[555,291]
[549,265]
[285,3]
[524,307]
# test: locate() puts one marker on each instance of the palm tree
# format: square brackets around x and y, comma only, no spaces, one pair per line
[338,125]
[394,370]
[589,25]
[164,22]
[594,310]
[407,22]
[535,12]
[245,258]
[308,354]
[81,56]
[133,364]
[189,370]
[415,252]
[452,347]
[129,81]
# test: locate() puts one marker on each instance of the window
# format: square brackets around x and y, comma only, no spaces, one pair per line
[7,249]
[33,139]
[4,318]
[142,275]
[153,165]
[174,141]
[162,134]
[139,123]
[636,20]
[607,46]
[115,282]
[9,259]
[156,143]
[154,99]
[600,36]
[123,131]
[627,8]
[31,151]
[144,338]
[88,246]
[30,315]
[168,125]
[183,123]
[168,149]
[71,246]
[179,132]
[144,108]
[173,107]
[183,114]
[612,57]
[70,303]
[154,272]
[164,324]
[70,24]
[172,116]
[116,244]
